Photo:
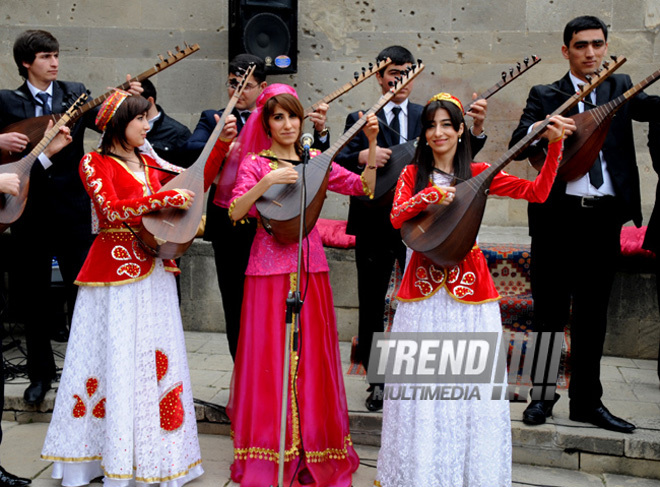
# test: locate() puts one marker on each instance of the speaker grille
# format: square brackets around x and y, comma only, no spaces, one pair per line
[266,35]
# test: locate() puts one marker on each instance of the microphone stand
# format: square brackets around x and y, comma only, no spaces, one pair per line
[293,306]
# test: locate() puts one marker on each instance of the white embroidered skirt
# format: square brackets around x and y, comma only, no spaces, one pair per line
[446,443]
[124,407]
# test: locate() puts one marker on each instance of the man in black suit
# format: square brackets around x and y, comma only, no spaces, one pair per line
[167,136]
[652,237]
[576,232]
[57,218]
[377,244]
[231,242]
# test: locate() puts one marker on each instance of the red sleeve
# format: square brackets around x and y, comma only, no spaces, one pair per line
[99,183]
[214,162]
[406,205]
[536,191]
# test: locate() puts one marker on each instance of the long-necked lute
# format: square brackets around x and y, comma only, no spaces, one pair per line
[279,207]
[357,79]
[35,127]
[11,207]
[402,154]
[445,234]
[169,232]
[581,148]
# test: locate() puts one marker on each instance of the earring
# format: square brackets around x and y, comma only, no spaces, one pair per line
[459,140]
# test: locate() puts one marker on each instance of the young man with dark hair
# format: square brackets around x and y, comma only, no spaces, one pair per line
[576,232]
[57,217]
[167,136]
[377,243]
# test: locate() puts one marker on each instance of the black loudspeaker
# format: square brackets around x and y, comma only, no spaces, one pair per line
[268,29]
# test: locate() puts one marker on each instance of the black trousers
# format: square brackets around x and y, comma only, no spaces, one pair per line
[231,246]
[573,262]
[34,245]
[375,254]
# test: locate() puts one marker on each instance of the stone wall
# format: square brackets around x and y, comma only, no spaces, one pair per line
[465,45]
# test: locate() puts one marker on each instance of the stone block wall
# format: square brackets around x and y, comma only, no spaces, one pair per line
[465,45]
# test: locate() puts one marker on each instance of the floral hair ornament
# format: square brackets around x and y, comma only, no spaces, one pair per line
[109,108]
[447,97]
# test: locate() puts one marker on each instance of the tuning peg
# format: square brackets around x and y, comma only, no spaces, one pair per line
[371,66]
[391,83]
[511,72]
[503,75]
[526,61]
[177,48]
[535,58]
[169,53]
[519,67]
[419,61]
[161,58]
[598,71]
[614,58]
[364,70]
[581,86]
[356,75]
[186,45]
[588,78]
[606,64]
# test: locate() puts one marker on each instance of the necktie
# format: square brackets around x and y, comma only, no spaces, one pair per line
[596,171]
[394,124]
[43,97]
[244,115]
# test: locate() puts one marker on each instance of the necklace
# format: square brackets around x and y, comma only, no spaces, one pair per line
[139,160]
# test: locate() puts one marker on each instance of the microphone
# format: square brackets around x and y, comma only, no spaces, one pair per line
[306,140]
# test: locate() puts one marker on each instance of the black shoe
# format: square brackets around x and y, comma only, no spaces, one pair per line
[36,392]
[602,418]
[60,336]
[537,411]
[374,401]
[10,480]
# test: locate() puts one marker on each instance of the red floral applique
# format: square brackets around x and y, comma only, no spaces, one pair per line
[462,291]
[80,409]
[139,252]
[99,409]
[171,409]
[453,274]
[119,252]
[469,278]
[131,270]
[161,365]
[424,287]
[437,275]
[92,384]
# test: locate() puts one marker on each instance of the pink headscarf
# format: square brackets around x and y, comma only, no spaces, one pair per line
[252,140]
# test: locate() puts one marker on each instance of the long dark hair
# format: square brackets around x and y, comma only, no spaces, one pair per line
[424,155]
[115,131]
[290,104]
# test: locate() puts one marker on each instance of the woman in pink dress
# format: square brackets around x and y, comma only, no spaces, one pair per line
[319,450]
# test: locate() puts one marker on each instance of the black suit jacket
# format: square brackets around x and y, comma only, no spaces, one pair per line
[168,138]
[365,216]
[58,189]
[618,149]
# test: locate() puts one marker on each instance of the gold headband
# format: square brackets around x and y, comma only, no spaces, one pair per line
[446,97]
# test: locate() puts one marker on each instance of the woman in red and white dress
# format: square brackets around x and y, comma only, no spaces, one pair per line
[124,407]
[450,442]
